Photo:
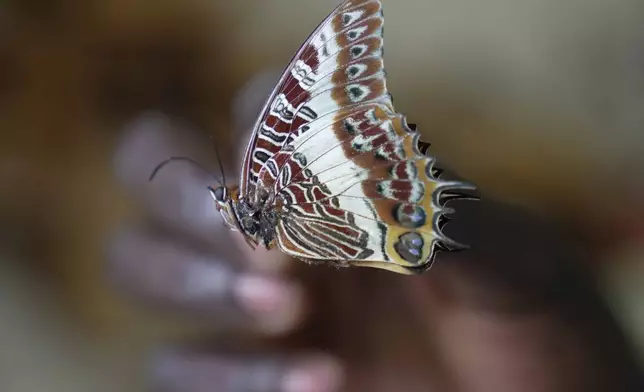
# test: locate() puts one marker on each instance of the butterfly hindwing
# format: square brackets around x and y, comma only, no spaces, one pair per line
[372,199]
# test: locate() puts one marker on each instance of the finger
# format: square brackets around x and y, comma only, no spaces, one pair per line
[149,267]
[192,372]
[508,297]
[178,196]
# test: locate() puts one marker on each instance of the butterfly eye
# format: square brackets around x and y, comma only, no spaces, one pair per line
[219,194]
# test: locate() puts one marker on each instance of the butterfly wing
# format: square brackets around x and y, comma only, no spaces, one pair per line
[347,171]
[298,96]
[361,193]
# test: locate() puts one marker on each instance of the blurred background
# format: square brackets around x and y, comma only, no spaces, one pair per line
[540,102]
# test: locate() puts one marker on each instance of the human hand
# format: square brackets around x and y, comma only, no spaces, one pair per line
[510,314]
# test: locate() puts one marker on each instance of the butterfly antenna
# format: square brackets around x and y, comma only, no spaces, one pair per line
[183,159]
[221,166]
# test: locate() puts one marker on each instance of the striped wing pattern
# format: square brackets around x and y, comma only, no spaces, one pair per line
[352,185]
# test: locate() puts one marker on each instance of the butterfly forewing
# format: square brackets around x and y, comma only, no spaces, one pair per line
[352,185]
[304,90]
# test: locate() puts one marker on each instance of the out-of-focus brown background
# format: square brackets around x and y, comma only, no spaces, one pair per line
[541,102]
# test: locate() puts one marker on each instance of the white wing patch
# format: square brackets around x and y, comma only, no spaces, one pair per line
[304,74]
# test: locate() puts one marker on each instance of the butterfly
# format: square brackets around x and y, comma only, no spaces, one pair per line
[332,173]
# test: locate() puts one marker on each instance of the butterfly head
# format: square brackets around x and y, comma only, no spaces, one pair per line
[223,198]
[238,214]
[219,195]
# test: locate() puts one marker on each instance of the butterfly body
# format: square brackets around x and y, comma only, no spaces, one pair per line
[255,218]
[332,172]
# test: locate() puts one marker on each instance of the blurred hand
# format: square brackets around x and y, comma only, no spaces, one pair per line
[511,314]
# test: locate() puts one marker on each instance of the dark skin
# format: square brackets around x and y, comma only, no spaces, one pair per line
[514,313]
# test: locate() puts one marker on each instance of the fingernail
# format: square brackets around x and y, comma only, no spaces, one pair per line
[261,295]
[314,375]
[275,305]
